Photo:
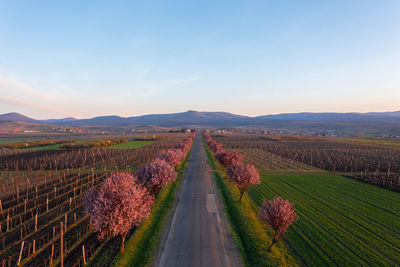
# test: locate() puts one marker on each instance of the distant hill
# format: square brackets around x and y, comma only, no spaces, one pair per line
[16,117]
[56,121]
[166,120]
[373,122]
[308,116]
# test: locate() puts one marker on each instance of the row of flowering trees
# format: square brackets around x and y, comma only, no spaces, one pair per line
[124,200]
[278,213]
[242,175]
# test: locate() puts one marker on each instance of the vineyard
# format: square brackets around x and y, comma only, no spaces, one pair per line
[342,221]
[379,165]
[41,208]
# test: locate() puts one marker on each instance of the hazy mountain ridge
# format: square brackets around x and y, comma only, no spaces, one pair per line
[383,121]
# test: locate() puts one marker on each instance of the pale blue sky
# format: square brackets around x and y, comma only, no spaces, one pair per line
[91,58]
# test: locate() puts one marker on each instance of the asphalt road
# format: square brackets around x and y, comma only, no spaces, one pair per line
[198,233]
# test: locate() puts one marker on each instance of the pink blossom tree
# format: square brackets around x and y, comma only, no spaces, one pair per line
[243,176]
[279,214]
[156,174]
[117,205]
[214,146]
[228,157]
[172,156]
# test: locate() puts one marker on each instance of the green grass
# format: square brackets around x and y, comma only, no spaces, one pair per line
[251,236]
[341,221]
[11,141]
[140,246]
[132,144]
[50,147]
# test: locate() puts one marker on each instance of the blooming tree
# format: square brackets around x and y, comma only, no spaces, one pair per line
[117,205]
[156,174]
[228,157]
[280,214]
[243,176]
[172,156]
[213,145]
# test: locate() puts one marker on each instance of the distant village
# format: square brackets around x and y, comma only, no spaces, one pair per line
[314,133]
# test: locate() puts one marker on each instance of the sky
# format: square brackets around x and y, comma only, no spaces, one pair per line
[92,58]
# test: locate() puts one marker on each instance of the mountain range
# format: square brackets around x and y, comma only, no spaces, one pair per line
[379,121]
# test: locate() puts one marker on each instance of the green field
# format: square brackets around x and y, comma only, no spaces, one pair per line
[132,144]
[11,141]
[50,147]
[341,221]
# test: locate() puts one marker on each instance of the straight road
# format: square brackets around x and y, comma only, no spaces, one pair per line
[198,233]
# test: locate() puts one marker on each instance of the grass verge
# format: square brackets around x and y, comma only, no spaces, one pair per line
[139,248]
[251,236]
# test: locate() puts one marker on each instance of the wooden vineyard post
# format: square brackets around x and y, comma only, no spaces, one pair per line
[65,221]
[62,246]
[1,207]
[20,253]
[84,256]
[34,246]
[70,203]
[52,254]
[47,204]
[8,221]
[25,208]
[36,222]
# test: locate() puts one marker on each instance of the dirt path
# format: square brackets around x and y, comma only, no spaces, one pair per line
[197,233]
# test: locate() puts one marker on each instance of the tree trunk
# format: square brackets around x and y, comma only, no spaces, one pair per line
[274,240]
[123,243]
[241,195]
[241,190]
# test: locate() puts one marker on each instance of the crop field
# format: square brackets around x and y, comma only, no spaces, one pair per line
[373,162]
[343,221]
[41,193]
[132,144]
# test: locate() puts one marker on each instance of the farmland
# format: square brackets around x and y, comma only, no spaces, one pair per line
[41,198]
[342,220]
[340,189]
[132,144]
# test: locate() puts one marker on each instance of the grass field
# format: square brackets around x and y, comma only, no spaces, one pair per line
[50,147]
[132,144]
[341,221]
[11,141]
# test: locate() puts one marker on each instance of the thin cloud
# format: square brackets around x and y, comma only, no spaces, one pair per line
[13,85]
[20,94]
[13,101]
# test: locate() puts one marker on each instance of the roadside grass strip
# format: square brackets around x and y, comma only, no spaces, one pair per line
[341,221]
[251,235]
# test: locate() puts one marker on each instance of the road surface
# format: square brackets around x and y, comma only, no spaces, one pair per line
[198,233]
